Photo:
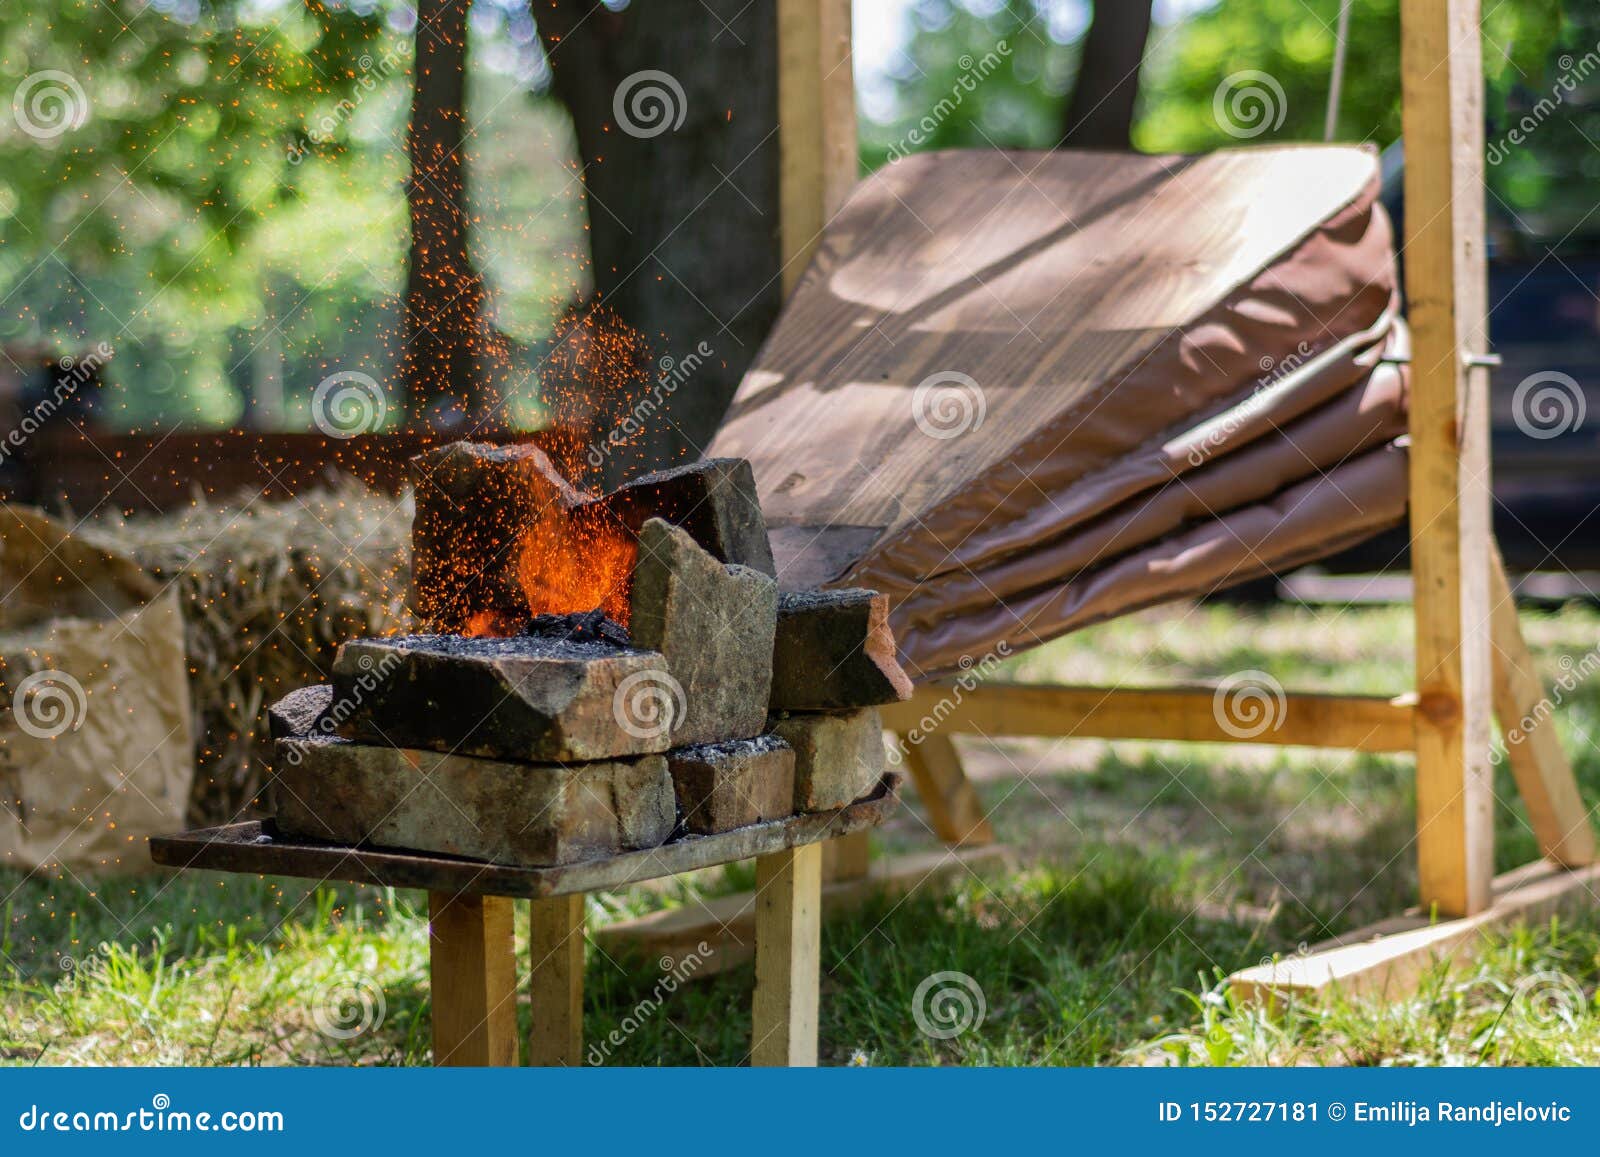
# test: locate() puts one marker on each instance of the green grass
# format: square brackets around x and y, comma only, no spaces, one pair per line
[1146,872]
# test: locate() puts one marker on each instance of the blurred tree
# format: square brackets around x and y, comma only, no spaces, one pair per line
[146,146]
[675,118]
[451,360]
[1100,113]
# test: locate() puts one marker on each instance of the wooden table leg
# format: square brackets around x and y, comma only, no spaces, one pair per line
[788,957]
[473,969]
[555,940]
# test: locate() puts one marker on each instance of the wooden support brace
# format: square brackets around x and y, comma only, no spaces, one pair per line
[555,944]
[1544,775]
[954,809]
[472,962]
[788,957]
[1184,714]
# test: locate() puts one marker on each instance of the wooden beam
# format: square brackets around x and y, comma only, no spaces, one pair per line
[1387,959]
[1184,714]
[726,925]
[816,124]
[788,957]
[1442,118]
[954,809]
[473,966]
[555,945]
[1543,773]
[848,857]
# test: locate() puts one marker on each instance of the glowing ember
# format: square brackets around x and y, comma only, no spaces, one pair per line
[568,563]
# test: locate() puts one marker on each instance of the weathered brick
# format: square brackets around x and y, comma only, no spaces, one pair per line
[715,624]
[838,756]
[835,650]
[722,786]
[534,815]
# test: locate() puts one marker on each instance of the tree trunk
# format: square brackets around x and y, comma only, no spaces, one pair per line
[675,112]
[1100,114]
[450,359]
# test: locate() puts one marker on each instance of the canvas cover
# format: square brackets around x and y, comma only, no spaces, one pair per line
[1026,392]
[96,752]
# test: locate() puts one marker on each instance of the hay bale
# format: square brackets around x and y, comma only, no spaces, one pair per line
[268,591]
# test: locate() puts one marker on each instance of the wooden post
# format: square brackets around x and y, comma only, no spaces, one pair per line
[817,168]
[555,945]
[953,805]
[473,970]
[816,124]
[788,957]
[1442,117]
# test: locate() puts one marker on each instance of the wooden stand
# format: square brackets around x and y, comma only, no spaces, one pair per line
[472,959]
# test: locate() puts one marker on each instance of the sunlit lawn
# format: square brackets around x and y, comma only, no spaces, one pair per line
[1144,873]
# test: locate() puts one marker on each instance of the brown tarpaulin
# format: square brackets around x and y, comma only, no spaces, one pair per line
[1025,392]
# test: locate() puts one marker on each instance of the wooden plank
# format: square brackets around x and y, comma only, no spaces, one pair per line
[1387,958]
[555,985]
[1193,714]
[473,976]
[255,848]
[1543,773]
[952,802]
[816,124]
[720,932]
[788,958]
[1442,98]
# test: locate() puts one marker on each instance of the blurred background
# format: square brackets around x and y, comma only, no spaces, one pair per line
[209,209]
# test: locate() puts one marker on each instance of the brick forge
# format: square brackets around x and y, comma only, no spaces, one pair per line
[563,708]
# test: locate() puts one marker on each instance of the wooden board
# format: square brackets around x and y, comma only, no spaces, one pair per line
[253,847]
[1387,958]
